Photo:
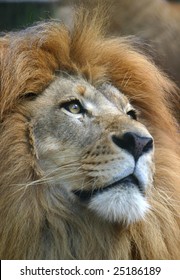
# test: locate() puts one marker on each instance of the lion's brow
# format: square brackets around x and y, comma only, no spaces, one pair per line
[81,89]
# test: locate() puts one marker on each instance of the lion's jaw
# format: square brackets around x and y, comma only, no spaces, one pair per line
[76,153]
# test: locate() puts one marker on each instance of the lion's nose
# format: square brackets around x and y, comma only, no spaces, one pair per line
[134,144]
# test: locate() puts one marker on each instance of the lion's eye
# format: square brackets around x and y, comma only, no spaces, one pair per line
[132,114]
[30,96]
[74,107]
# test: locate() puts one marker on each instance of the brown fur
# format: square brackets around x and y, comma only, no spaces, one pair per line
[156,22]
[32,227]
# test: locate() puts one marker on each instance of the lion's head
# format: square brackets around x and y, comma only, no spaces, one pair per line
[88,145]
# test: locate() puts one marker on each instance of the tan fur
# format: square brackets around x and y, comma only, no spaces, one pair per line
[32,226]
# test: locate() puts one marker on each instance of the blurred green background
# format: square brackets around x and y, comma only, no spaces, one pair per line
[21,13]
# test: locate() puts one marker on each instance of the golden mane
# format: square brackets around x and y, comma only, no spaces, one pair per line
[29,61]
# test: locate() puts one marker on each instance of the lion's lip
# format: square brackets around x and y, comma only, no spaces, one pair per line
[84,196]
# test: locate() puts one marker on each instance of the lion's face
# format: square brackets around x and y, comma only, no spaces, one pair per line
[89,144]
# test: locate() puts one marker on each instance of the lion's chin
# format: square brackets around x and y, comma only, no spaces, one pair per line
[122,202]
[120,205]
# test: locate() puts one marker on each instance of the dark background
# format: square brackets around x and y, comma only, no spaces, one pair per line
[19,14]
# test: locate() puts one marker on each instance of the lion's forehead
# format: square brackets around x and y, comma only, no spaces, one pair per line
[80,88]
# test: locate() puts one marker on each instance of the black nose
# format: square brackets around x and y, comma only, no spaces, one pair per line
[134,144]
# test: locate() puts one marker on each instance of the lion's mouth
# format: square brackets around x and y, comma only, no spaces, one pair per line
[84,196]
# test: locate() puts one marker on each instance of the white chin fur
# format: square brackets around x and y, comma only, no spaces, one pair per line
[125,205]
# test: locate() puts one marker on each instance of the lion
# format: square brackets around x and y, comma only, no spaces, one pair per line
[89,147]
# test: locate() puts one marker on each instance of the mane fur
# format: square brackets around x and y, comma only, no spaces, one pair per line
[36,223]
[156,22]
